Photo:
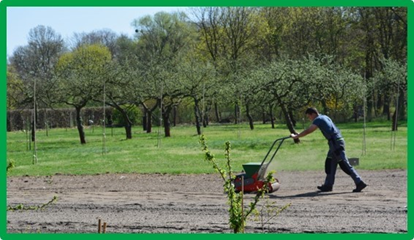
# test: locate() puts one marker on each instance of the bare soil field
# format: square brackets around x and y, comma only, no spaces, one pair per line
[157,203]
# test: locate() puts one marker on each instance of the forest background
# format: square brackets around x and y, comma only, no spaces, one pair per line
[215,64]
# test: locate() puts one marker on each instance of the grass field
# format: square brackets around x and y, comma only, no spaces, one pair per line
[61,152]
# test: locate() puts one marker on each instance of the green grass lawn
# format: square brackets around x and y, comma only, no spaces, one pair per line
[61,151]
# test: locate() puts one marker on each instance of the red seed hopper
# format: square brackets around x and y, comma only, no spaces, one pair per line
[254,172]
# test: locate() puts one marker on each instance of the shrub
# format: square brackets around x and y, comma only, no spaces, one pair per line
[133,112]
[237,215]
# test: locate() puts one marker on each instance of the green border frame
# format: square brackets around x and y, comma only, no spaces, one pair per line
[126,3]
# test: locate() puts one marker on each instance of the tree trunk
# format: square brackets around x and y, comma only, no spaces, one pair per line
[386,107]
[9,124]
[288,120]
[380,103]
[205,120]
[395,121]
[249,116]
[33,132]
[356,113]
[236,113]
[272,118]
[292,118]
[369,69]
[205,117]
[401,106]
[128,123]
[197,116]
[128,127]
[33,124]
[144,120]
[149,122]
[167,126]
[166,120]
[216,111]
[128,130]
[80,126]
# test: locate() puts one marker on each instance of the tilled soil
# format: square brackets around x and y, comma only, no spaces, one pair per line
[157,203]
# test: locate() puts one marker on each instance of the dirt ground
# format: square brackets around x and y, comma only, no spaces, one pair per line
[156,203]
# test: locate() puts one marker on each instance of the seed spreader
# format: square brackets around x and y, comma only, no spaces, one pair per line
[254,173]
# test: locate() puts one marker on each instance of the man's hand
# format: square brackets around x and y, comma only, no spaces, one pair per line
[310,129]
[294,136]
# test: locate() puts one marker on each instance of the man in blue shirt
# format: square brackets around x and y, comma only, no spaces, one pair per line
[336,154]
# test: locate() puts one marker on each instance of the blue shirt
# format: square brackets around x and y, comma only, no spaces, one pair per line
[327,127]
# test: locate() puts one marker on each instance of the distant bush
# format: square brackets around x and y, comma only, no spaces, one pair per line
[134,114]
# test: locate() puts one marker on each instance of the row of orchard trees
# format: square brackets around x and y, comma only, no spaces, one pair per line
[255,59]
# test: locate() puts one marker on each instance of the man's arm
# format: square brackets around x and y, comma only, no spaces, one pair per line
[310,129]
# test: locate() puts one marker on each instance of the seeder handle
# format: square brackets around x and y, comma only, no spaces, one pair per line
[280,140]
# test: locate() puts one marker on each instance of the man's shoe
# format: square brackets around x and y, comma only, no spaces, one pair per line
[325,188]
[361,185]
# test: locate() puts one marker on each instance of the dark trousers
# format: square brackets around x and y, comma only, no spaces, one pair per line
[336,156]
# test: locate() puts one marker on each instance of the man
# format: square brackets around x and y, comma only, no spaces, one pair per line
[336,154]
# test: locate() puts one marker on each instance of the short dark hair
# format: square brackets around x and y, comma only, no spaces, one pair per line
[311,110]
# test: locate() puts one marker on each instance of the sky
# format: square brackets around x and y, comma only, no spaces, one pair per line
[69,20]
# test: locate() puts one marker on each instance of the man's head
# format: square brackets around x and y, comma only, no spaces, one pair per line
[311,113]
